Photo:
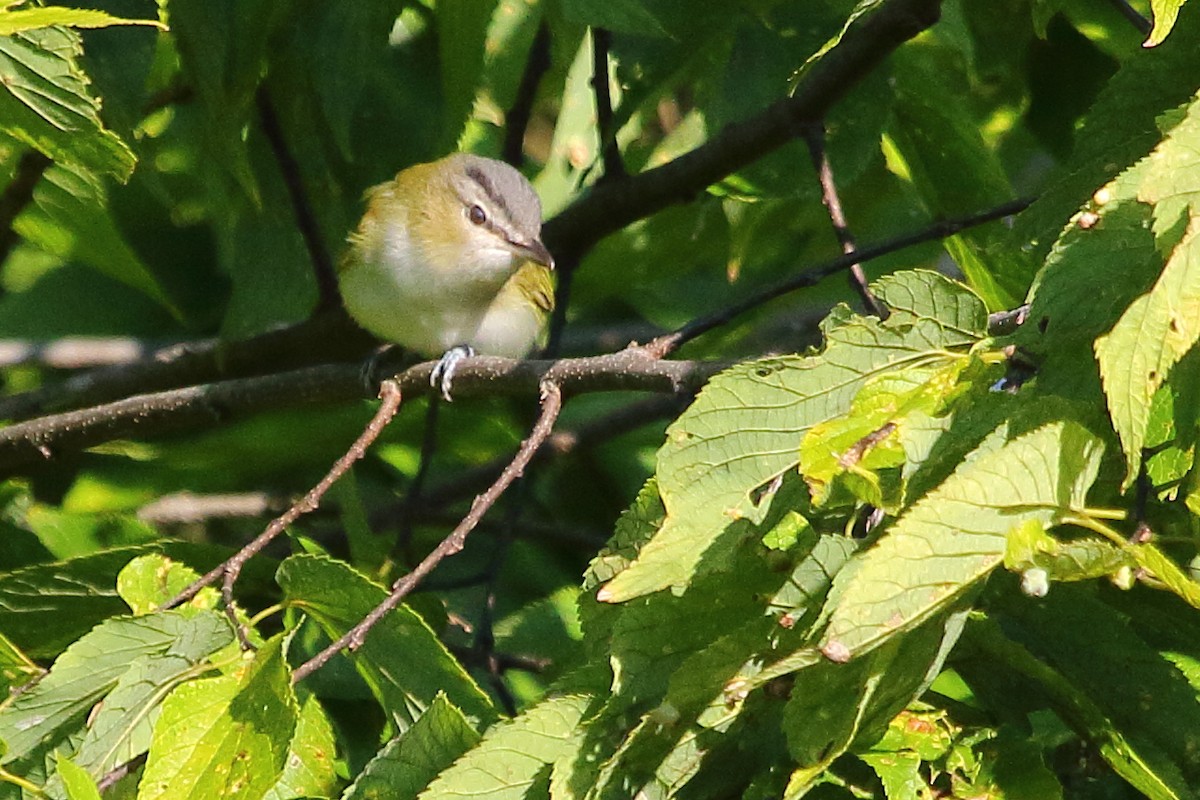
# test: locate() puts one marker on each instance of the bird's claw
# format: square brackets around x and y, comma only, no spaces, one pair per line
[442,375]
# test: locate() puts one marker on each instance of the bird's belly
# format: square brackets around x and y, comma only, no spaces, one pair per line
[419,308]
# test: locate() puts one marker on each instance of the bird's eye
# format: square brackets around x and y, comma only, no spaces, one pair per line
[477,215]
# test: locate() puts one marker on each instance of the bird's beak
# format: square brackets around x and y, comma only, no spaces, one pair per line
[536,251]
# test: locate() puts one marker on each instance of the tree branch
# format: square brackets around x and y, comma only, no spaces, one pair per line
[611,206]
[815,138]
[668,343]
[331,336]
[516,121]
[306,219]
[146,415]
[452,544]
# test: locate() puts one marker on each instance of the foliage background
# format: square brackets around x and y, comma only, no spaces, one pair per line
[1016,620]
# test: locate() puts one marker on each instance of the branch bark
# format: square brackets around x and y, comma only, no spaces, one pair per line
[154,414]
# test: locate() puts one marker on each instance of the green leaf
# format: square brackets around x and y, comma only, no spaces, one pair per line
[148,582]
[46,105]
[1030,547]
[899,773]
[310,770]
[834,707]
[953,169]
[402,659]
[1152,335]
[412,759]
[1122,126]
[512,753]
[73,220]
[745,429]
[122,728]
[78,784]
[462,31]
[951,539]
[1141,705]
[27,19]
[226,736]
[90,668]
[1165,12]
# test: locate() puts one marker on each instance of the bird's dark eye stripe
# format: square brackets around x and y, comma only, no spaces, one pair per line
[477,215]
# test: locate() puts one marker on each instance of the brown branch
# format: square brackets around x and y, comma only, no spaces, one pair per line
[182,508]
[306,219]
[390,396]
[572,233]
[18,194]
[516,121]
[36,440]
[327,337]
[452,544]
[670,342]
[120,771]
[611,206]
[614,167]
[815,138]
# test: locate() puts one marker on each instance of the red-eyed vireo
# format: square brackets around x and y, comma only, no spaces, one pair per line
[448,261]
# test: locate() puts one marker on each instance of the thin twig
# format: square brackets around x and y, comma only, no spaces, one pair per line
[306,219]
[18,194]
[668,343]
[610,154]
[516,121]
[814,136]
[1130,13]
[390,397]
[452,544]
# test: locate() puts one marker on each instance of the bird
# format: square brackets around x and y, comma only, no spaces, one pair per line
[448,262]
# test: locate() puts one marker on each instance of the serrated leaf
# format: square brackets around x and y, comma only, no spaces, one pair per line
[411,760]
[1165,13]
[45,103]
[224,737]
[951,539]
[744,430]
[402,660]
[1119,129]
[310,767]
[88,670]
[1029,546]
[14,21]
[899,773]
[513,753]
[1150,337]
[122,728]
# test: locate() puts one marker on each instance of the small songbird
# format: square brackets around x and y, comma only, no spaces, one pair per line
[448,261]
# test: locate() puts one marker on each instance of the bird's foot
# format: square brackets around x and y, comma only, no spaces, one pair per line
[443,374]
